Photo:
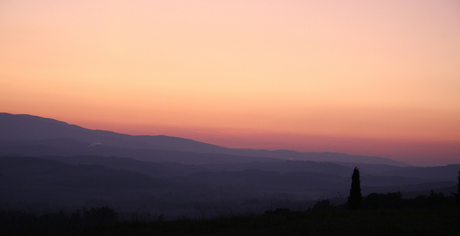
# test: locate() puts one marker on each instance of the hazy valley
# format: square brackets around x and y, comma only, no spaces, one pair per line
[48,165]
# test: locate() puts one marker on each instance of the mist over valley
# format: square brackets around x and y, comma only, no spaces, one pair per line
[48,165]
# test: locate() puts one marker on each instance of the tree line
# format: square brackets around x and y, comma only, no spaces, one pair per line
[23,223]
[395,200]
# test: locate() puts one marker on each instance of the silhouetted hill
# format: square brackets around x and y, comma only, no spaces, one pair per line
[28,179]
[174,189]
[440,173]
[286,166]
[155,169]
[318,173]
[317,156]
[70,147]
[26,129]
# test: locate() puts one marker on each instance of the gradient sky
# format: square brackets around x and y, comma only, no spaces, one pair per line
[375,78]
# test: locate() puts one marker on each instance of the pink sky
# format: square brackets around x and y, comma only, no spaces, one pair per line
[375,78]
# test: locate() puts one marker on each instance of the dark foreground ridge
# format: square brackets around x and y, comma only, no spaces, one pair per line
[381,214]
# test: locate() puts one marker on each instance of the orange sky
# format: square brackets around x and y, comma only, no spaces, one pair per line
[364,77]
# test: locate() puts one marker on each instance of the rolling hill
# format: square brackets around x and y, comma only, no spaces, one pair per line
[36,136]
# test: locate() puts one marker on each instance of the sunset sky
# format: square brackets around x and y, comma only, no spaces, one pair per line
[377,78]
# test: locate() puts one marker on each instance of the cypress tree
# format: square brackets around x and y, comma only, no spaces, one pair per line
[354,200]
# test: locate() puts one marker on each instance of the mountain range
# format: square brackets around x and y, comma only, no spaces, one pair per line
[37,136]
[48,165]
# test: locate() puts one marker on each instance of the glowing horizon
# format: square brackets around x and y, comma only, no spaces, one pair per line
[369,78]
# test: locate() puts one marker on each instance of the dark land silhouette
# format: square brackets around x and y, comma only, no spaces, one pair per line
[57,178]
[37,136]
[379,214]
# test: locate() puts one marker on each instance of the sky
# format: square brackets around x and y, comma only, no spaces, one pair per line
[379,78]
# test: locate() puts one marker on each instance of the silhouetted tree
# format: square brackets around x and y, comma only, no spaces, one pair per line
[354,200]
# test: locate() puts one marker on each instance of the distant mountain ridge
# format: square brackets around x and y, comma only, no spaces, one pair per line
[27,134]
[171,188]
[28,127]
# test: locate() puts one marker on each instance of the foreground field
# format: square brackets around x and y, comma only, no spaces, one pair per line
[434,221]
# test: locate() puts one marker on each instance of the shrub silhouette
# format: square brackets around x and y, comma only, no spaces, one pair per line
[100,215]
[278,211]
[354,200]
[384,201]
[323,205]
